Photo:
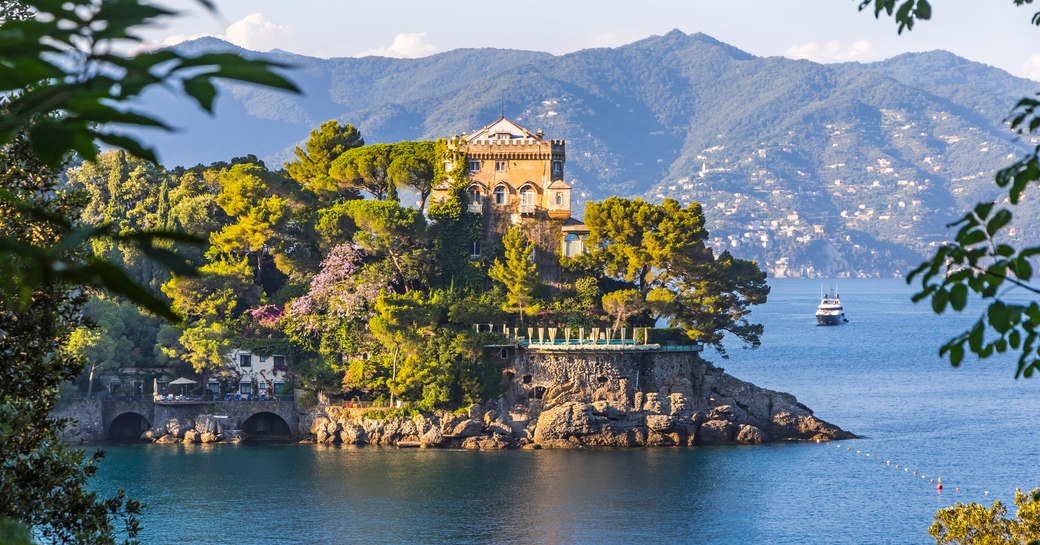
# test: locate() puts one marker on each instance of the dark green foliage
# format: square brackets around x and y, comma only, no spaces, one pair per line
[981,262]
[43,482]
[518,273]
[380,169]
[985,261]
[453,231]
[326,143]
[660,251]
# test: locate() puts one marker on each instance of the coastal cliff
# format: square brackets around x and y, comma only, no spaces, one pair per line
[723,410]
[552,396]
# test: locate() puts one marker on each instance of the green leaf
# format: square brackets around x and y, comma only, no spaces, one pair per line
[924,10]
[956,355]
[959,296]
[51,141]
[115,280]
[974,236]
[982,210]
[255,72]
[1023,269]
[975,337]
[129,144]
[1000,219]
[999,316]
[202,90]
[939,300]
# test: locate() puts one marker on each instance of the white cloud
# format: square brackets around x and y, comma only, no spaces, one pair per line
[257,32]
[408,45]
[1031,68]
[833,51]
[254,31]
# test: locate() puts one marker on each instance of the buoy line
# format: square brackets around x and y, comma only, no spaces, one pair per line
[937,480]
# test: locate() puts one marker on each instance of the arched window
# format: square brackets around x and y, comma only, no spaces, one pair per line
[559,198]
[476,196]
[501,196]
[573,246]
[527,196]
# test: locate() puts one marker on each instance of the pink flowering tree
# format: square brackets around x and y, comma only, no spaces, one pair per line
[330,319]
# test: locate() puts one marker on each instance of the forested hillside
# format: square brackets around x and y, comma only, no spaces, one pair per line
[827,170]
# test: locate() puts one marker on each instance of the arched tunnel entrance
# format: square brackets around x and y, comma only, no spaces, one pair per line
[266,426]
[128,427]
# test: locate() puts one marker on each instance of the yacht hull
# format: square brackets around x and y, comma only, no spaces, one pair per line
[831,319]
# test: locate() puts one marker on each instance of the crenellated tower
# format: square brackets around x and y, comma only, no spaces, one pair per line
[513,176]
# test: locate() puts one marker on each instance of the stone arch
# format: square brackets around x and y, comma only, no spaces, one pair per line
[128,426]
[267,425]
[476,192]
[501,194]
[531,186]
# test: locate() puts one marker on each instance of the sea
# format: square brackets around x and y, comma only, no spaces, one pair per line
[879,376]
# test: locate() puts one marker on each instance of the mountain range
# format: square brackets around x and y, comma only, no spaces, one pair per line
[812,169]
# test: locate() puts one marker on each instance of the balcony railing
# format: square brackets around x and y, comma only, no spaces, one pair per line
[527,208]
[476,208]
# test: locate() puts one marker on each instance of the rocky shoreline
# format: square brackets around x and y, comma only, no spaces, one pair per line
[737,412]
[703,406]
[205,428]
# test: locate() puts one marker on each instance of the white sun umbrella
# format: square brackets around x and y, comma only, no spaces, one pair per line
[183,383]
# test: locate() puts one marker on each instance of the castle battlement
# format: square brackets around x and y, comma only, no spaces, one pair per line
[511,176]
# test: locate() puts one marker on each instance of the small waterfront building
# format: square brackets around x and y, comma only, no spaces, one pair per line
[268,372]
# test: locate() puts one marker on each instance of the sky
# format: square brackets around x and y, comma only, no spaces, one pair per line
[1000,34]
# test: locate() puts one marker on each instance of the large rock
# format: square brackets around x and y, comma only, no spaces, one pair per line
[468,428]
[499,428]
[178,426]
[558,425]
[660,423]
[487,443]
[209,438]
[351,434]
[154,433]
[234,436]
[192,436]
[804,426]
[207,423]
[167,439]
[751,435]
[432,438]
[608,409]
[716,432]
[319,424]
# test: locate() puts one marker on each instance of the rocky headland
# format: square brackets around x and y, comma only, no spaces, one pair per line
[550,399]
[570,416]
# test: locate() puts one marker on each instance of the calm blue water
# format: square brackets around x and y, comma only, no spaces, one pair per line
[878,376]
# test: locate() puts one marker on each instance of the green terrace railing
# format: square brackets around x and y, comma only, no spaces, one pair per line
[593,336]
